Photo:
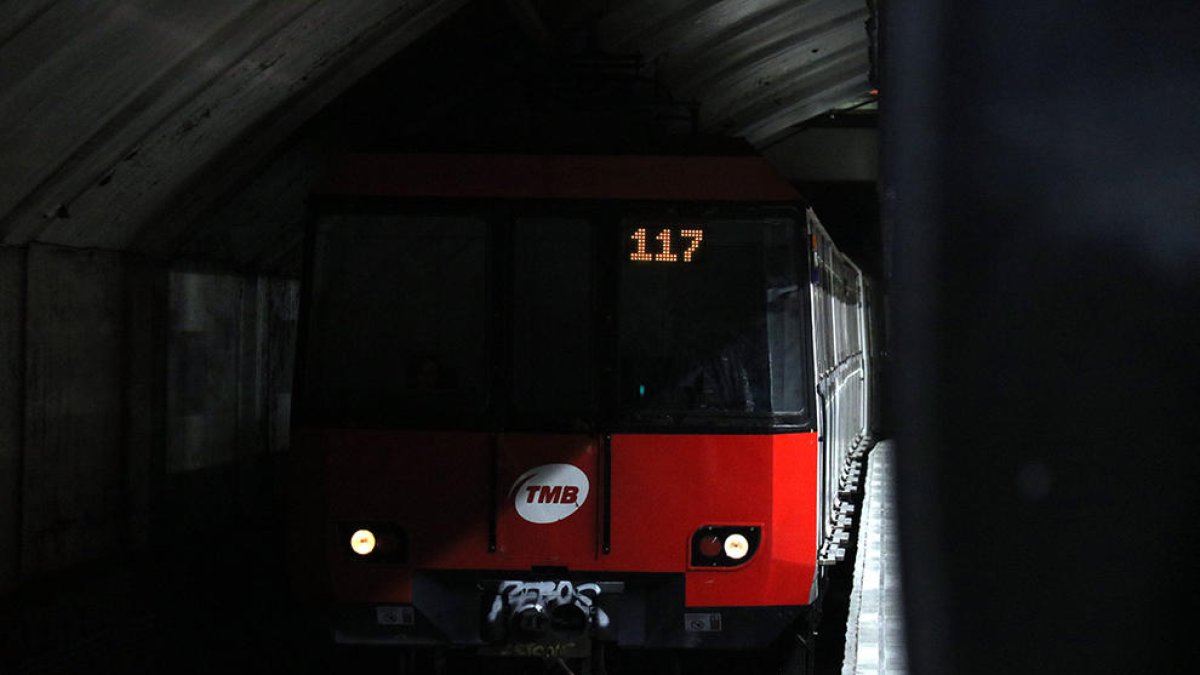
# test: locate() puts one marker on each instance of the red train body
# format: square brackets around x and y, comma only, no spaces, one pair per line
[565,460]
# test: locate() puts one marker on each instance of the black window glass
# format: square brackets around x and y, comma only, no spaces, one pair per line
[710,318]
[552,321]
[399,321]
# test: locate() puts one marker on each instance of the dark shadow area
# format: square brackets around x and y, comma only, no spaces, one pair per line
[1042,187]
[211,596]
[478,83]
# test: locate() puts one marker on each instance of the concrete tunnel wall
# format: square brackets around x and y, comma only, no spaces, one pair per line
[135,398]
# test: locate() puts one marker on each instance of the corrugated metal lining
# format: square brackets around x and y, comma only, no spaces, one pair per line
[114,113]
[757,67]
[146,125]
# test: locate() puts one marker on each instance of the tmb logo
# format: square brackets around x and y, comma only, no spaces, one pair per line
[550,492]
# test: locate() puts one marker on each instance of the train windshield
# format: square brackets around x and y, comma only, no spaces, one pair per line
[711,319]
[399,328]
[532,323]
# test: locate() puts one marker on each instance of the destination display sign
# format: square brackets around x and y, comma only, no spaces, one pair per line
[665,244]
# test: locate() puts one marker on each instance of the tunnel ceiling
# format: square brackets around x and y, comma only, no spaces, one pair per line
[193,130]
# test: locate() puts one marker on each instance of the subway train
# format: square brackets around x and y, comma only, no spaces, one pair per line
[564,407]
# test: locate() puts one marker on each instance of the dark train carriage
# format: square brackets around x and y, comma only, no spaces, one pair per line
[549,401]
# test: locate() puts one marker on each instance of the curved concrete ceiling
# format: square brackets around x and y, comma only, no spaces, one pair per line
[124,123]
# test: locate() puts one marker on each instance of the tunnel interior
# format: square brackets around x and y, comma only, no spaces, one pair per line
[1020,182]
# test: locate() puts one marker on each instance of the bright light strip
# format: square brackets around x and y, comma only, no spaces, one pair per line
[363,542]
[736,546]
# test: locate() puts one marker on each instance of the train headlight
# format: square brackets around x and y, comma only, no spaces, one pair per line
[374,542]
[362,542]
[724,545]
[737,546]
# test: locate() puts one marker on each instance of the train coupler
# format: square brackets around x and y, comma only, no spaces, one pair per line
[550,619]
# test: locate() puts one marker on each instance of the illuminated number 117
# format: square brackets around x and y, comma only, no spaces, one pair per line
[640,254]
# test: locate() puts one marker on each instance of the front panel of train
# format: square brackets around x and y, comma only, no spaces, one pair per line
[541,424]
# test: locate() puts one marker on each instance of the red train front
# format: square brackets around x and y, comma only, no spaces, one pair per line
[544,401]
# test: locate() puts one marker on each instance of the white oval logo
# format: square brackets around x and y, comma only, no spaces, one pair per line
[550,492]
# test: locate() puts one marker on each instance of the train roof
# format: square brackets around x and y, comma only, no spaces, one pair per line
[582,177]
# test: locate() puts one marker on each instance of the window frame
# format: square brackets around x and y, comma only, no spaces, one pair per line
[605,218]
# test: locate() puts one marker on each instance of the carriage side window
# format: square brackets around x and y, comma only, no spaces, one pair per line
[399,327]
